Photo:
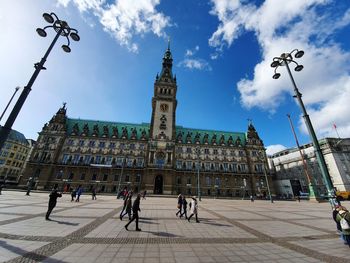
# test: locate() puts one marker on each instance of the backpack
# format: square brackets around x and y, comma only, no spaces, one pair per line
[344,224]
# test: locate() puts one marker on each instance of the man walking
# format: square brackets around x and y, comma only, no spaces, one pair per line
[52,201]
[135,213]
[184,207]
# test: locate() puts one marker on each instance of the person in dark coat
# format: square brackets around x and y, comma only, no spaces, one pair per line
[127,207]
[79,192]
[135,213]
[52,201]
[179,205]
[93,194]
[184,207]
[73,194]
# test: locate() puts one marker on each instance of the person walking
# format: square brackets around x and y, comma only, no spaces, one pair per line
[184,207]
[179,204]
[127,207]
[93,194]
[135,213]
[343,217]
[144,195]
[79,192]
[73,194]
[52,201]
[194,209]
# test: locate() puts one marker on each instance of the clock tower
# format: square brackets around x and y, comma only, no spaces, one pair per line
[162,128]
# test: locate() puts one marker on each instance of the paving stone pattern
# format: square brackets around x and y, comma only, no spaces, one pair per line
[229,231]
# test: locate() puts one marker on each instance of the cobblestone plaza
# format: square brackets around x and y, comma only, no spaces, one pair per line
[229,231]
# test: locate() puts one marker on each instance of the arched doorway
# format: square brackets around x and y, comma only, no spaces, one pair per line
[158,184]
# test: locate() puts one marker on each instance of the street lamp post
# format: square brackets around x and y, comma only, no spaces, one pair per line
[8,104]
[198,181]
[121,174]
[284,60]
[265,174]
[62,28]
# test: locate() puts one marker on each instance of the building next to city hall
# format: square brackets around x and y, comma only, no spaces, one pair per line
[13,157]
[159,156]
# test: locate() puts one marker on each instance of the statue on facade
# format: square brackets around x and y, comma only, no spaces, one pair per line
[105,131]
[114,132]
[179,137]
[206,138]
[75,130]
[230,141]
[124,133]
[85,130]
[213,139]
[188,137]
[222,140]
[95,130]
[197,138]
[143,134]
[133,134]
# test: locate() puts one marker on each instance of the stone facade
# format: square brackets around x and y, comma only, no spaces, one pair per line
[290,173]
[159,156]
[13,157]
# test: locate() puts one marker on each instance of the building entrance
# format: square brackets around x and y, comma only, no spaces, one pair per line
[158,184]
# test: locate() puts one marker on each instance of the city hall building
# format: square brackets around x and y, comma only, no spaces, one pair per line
[160,157]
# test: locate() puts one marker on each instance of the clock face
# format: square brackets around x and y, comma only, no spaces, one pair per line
[164,107]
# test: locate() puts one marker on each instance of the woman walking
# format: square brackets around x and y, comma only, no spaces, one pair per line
[194,209]
[128,207]
[179,205]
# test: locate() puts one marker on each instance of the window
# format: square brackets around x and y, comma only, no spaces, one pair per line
[116,177]
[206,151]
[226,167]
[216,167]
[207,166]
[241,153]
[254,153]
[105,177]
[188,180]
[178,164]
[234,168]
[91,143]
[129,162]
[188,165]
[70,142]
[215,151]
[188,150]
[76,159]
[102,145]
[64,159]
[139,162]
[178,180]
[87,159]
[132,146]
[127,178]
[82,177]
[138,178]
[81,143]
[71,176]
[112,145]
[59,175]
[109,160]
[178,150]
[11,155]
[142,146]
[94,176]
[208,180]
[98,159]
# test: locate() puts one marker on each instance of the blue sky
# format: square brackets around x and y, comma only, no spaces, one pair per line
[222,51]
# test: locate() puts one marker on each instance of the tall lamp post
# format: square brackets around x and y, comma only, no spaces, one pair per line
[265,174]
[198,151]
[8,104]
[62,29]
[121,174]
[284,60]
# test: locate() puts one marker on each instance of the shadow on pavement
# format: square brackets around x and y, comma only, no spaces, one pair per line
[161,234]
[64,222]
[208,222]
[28,255]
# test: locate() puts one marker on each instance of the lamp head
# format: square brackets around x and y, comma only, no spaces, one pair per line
[75,36]
[299,68]
[66,48]
[41,32]
[299,54]
[48,18]
[276,75]
[275,64]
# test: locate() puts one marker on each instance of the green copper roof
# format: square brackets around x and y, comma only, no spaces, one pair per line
[200,134]
[129,127]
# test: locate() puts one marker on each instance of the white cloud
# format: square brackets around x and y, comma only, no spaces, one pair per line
[281,26]
[192,63]
[124,19]
[272,149]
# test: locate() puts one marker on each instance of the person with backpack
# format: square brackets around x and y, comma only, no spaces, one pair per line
[343,217]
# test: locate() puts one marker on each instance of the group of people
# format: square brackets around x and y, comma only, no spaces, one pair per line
[182,207]
[76,193]
[341,217]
